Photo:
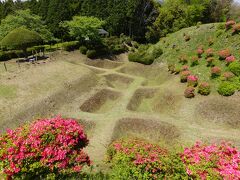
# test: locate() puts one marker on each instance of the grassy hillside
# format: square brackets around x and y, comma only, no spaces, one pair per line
[213,36]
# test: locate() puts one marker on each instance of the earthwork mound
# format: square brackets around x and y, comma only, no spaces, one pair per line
[101,102]
[220,110]
[118,81]
[147,129]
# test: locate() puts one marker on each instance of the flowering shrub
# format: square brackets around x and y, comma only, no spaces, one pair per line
[223,54]
[189,92]
[137,159]
[216,71]
[204,88]
[209,52]
[227,76]
[184,75]
[229,24]
[183,59]
[236,28]
[226,88]
[195,61]
[230,59]
[47,147]
[192,80]
[185,68]
[200,51]
[210,61]
[217,161]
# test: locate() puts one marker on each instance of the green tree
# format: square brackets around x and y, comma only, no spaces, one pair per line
[83,27]
[23,18]
[21,38]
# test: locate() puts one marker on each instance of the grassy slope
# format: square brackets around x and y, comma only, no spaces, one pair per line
[199,37]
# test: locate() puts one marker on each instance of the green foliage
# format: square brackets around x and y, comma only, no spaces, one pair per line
[235,68]
[84,28]
[91,54]
[70,46]
[115,44]
[145,54]
[83,49]
[21,38]
[226,88]
[24,18]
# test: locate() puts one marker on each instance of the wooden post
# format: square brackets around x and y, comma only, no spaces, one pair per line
[5,66]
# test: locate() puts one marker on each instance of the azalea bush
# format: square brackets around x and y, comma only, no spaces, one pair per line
[228,76]
[227,88]
[212,161]
[138,159]
[204,88]
[194,61]
[192,80]
[189,92]
[230,59]
[215,71]
[210,61]
[185,68]
[236,28]
[200,51]
[46,148]
[229,24]
[235,68]
[171,68]
[223,54]
[184,75]
[183,59]
[209,53]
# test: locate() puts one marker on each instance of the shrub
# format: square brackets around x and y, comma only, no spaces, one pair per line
[185,68]
[4,56]
[212,161]
[70,46]
[209,53]
[45,148]
[189,92]
[226,88]
[184,75]
[223,54]
[235,68]
[194,61]
[219,33]
[204,88]
[236,28]
[91,54]
[229,24]
[227,76]
[137,159]
[171,68]
[210,41]
[177,69]
[183,59]
[192,80]
[83,49]
[200,51]
[230,59]
[210,61]
[216,71]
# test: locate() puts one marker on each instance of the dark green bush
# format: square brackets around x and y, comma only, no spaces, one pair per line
[91,54]
[3,56]
[235,68]
[70,46]
[83,49]
[226,88]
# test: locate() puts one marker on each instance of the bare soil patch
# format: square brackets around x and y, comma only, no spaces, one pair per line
[101,102]
[118,81]
[148,129]
[106,64]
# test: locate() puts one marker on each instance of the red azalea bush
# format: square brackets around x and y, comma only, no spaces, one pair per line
[192,80]
[219,161]
[47,147]
[216,71]
[200,51]
[185,68]
[230,59]
[229,24]
[236,28]
[184,75]
[195,61]
[209,52]
[223,54]
[189,92]
[210,61]
[204,88]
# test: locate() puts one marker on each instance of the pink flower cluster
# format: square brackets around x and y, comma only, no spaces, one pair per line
[229,24]
[203,159]
[192,80]
[230,59]
[56,144]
